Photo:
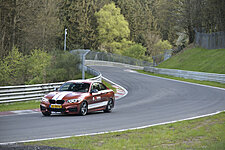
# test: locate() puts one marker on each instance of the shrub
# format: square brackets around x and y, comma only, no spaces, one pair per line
[38,64]
[160,46]
[38,67]
[64,66]
[135,51]
[12,68]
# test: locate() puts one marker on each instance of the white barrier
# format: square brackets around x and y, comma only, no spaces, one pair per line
[112,64]
[202,76]
[36,91]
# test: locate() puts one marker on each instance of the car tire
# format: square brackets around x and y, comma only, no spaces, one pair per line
[46,113]
[109,106]
[83,109]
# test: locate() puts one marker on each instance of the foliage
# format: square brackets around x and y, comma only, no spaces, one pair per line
[78,17]
[38,65]
[28,25]
[160,46]
[110,25]
[112,28]
[64,66]
[12,68]
[135,51]
[151,39]
[182,39]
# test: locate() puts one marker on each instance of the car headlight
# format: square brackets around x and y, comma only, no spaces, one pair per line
[44,99]
[74,101]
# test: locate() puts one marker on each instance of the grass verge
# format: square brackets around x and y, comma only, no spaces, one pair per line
[211,83]
[204,133]
[20,105]
[34,104]
[109,85]
[198,59]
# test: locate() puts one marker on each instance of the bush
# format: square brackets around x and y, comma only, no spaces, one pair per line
[136,51]
[12,68]
[38,67]
[64,66]
[38,64]
[160,46]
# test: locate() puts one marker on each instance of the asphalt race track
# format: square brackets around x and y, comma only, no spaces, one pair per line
[150,100]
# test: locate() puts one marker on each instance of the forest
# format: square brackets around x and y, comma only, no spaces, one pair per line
[117,26]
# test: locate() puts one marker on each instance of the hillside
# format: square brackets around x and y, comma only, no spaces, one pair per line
[198,59]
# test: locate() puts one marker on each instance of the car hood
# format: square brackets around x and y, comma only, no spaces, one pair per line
[65,95]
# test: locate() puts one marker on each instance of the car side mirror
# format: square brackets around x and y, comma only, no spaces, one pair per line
[56,89]
[94,91]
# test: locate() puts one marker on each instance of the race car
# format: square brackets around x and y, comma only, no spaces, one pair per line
[78,97]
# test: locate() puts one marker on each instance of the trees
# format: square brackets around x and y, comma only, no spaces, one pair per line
[41,23]
[78,17]
[113,29]
[203,15]
[28,25]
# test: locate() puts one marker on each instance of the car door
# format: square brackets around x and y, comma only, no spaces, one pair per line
[104,92]
[96,98]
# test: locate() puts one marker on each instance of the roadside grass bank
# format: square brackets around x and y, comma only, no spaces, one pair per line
[34,104]
[109,85]
[203,133]
[198,59]
[210,83]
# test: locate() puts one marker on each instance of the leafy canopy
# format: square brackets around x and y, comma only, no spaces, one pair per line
[112,28]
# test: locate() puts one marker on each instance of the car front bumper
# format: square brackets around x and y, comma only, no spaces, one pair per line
[68,109]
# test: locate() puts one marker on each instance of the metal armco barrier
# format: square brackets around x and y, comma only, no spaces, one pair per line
[188,74]
[111,64]
[35,92]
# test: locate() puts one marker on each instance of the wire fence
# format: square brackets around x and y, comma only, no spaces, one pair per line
[93,55]
[214,40]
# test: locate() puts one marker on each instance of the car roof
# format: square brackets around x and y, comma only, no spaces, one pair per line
[82,81]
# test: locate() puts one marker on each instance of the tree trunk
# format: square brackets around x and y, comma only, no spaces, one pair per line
[191,34]
[14,23]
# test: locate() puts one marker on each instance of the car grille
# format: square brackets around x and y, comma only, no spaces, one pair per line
[56,109]
[51,101]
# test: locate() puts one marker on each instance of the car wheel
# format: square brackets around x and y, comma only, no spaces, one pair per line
[46,113]
[109,106]
[83,109]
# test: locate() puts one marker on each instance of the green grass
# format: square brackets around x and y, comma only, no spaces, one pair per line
[204,133]
[109,85]
[211,83]
[198,59]
[20,105]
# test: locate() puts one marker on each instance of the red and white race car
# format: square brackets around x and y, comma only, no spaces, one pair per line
[78,97]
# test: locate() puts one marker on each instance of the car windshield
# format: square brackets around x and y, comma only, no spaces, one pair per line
[75,87]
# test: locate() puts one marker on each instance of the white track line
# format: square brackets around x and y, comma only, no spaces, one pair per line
[126,92]
[121,130]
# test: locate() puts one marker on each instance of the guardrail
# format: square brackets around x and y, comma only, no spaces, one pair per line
[188,74]
[112,64]
[36,91]
[103,56]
